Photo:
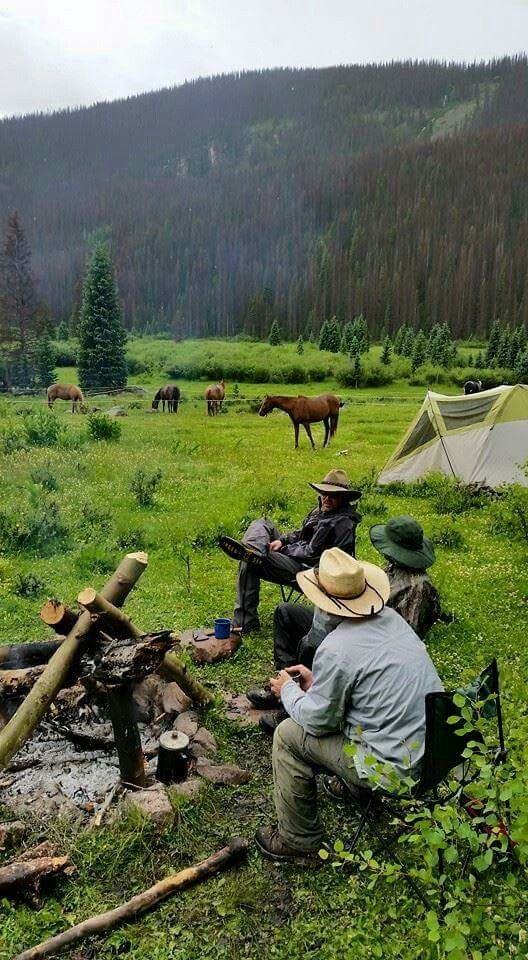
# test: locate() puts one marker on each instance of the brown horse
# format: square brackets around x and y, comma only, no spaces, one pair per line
[214,396]
[307,410]
[170,395]
[58,391]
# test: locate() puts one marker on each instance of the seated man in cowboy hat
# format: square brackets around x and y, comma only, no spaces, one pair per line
[267,554]
[367,688]
[409,553]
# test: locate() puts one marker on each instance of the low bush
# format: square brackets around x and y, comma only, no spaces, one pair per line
[136,366]
[209,536]
[92,516]
[144,485]
[509,515]
[65,353]
[28,586]
[371,375]
[490,377]
[11,440]
[102,427]
[44,478]
[5,408]
[447,535]
[40,528]
[44,429]
[132,538]
[428,374]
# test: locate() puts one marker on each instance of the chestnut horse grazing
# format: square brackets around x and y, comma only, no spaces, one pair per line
[169,394]
[214,396]
[307,410]
[58,391]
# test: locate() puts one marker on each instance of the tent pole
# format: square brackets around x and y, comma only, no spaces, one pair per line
[441,437]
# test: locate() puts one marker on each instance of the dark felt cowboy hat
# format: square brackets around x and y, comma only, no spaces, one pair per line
[336,483]
[402,539]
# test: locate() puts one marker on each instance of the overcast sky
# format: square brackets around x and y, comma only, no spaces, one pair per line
[56,53]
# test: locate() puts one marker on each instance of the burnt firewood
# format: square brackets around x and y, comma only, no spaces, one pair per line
[17,656]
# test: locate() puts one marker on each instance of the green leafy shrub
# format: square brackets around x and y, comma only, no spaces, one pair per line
[371,375]
[428,374]
[65,353]
[209,536]
[490,377]
[509,515]
[92,516]
[102,427]
[43,429]
[132,538]
[40,528]
[144,485]
[44,478]
[5,408]
[11,440]
[28,585]
[447,535]
[136,366]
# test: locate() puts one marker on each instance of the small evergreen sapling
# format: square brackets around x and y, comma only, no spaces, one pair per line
[300,345]
[386,352]
[44,361]
[102,337]
[274,336]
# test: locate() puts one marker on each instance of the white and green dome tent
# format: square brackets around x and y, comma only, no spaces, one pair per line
[481,438]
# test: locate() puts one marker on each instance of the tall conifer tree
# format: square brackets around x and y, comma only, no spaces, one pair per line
[102,338]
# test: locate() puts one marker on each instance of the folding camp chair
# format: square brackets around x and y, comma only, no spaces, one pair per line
[443,752]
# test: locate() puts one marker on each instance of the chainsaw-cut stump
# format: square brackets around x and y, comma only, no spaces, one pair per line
[206,648]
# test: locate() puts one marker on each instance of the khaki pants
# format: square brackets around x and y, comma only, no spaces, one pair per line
[297,757]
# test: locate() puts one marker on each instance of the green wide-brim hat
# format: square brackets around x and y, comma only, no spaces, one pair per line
[402,539]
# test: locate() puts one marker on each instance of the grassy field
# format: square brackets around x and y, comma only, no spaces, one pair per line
[216,475]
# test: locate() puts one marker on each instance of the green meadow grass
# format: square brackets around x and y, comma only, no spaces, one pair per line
[217,474]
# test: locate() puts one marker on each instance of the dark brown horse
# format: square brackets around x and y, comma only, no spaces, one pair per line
[58,391]
[306,410]
[170,395]
[214,396]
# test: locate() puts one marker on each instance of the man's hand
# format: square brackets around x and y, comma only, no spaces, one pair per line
[277,683]
[306,675]
[275,545]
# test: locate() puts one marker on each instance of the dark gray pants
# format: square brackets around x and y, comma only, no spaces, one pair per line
[276,568]
[291,623]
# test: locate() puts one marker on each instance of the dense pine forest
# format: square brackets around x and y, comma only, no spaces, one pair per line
[399,191]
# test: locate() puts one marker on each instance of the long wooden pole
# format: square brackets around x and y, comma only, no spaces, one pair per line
[178,671]
[32,709]
[235,850]
[90,600]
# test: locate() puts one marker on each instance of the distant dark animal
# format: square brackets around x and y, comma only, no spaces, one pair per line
[306,410]
[170,395]
[214,395]
[472,386]
[58,391]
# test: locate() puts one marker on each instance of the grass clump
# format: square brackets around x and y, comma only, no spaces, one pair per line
[11,440]
[144,485]
[28,586]
[447,535]
[102,427]
[40,528]
[95,558]
[509,514]
[43,477]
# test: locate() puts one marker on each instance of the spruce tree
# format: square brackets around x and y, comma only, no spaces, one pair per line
[502,356]
[521,368]
[274,336]
[357,370]
[334,335]
[419,351]
[63,332]
[386,352]
[493,343]
[102,338]
[18,306]
[479,361]
[44,361]
[300,344]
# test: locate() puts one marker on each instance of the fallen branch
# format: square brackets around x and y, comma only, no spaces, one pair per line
[32,709]
[179,672]
[105,806]
[26,874]
[234,852]
[15,656]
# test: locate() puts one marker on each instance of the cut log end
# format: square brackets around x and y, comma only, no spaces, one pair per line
[58,616]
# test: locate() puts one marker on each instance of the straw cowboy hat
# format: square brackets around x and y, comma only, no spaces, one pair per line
[402,539]
[336,482]
[344,586]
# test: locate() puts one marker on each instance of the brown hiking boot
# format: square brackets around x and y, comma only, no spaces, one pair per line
[272,846]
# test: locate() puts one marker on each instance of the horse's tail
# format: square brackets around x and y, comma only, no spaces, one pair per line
[342,403]
[334,420]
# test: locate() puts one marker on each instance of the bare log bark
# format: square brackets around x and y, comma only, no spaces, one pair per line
[16,683]
[58,616]
[16,656]
[23,874]
[32,709]
[90,600]
[179,672]
[126,734]
[229,855]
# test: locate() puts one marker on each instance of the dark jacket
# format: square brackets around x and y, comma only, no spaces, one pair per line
[320,531]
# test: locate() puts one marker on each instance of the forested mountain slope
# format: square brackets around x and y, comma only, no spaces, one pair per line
[398,190]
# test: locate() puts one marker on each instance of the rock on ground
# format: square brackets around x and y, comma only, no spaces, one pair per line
[203,743]
[174,700]
[225,774]
[153,803]
[11,833]
[188,788]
